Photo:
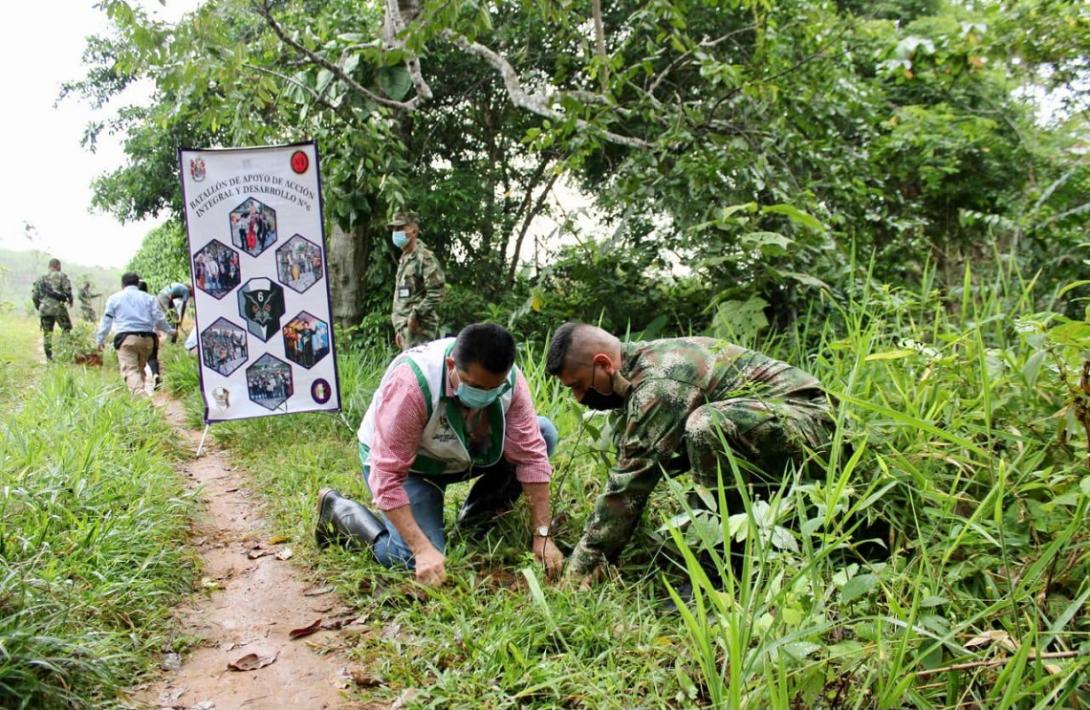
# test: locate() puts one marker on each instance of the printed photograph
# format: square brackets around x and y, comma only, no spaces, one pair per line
[306,340]
[223,346]
[253,226]
[216,269]
[299,263]
[268,381]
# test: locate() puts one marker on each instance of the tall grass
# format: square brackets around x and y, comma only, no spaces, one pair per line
[955,424]
[92,531]
[952,407]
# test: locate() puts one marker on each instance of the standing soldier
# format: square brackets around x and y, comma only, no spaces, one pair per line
[51,292]
[419,285]
[680,400]
[85,297]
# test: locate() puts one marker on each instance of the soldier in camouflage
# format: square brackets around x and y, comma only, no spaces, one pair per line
[85,298]
[677,397]
[50,294]
[419,286]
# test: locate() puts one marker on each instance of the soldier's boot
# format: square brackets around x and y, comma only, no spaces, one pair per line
[493,495]
[345,522]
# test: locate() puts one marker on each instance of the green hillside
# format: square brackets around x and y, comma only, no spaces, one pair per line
[19,269]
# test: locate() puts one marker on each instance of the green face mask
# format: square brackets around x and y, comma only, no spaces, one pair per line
[477,398]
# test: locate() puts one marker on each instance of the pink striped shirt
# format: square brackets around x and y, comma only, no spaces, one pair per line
[400,417]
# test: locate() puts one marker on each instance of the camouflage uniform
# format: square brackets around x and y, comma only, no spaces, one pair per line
[417,292]
[50,293]
[85,296]
[685,393]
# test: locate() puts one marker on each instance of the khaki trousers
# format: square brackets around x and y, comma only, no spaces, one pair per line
[132,356]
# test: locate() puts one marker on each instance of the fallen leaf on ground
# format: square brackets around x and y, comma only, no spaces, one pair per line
[209,583]
[338,623]
[313,627]
[252,661]
[404,699]
[171,662]
[994,636]
[204,705]
[284,554]
[323,607]
[317,591]
[277,539]
[254,554]
[364,678]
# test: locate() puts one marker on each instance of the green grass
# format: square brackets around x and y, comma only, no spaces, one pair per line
[94,521]
[964,442]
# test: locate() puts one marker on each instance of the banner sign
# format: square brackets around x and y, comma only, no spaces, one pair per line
[261,284]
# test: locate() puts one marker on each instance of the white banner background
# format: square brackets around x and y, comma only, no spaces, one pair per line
[261,283]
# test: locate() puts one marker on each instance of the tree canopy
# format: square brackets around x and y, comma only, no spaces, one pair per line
[743,148]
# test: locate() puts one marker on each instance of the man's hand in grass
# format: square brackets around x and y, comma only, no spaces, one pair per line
[431,567]
[547,554]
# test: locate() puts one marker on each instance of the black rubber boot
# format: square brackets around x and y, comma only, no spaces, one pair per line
[344,521]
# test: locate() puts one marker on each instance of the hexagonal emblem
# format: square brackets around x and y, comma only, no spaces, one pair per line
[253,226]
[261,305]
[216,270]
[299,263]
[268,381]
[306,340]
[223,346]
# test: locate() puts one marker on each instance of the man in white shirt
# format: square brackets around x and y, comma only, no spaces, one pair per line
[134,316]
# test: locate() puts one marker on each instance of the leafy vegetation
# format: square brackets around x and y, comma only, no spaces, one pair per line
[961,431]
[94,520]
[752,145]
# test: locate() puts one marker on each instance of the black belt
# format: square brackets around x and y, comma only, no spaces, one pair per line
[119,339]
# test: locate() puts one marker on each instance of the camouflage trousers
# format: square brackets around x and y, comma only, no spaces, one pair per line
[407,339]
[767,436]
[47,323]
[87,312]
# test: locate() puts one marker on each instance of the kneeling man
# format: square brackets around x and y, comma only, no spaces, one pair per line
[446,411]
[679,400]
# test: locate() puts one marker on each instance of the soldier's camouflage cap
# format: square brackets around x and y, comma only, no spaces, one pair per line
[400,219]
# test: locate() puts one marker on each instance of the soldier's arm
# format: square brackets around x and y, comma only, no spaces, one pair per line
[66,289]
[160,319]
[434,286]
[106,323]
[654,426]
[36,293]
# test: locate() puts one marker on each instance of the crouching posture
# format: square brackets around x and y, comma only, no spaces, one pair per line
[445,412]
[680,400]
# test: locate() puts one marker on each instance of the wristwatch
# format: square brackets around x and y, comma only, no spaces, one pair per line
[541,531]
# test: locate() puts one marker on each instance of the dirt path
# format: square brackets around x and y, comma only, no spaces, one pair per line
[254,598]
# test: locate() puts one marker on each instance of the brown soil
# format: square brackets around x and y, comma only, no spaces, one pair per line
[250,597]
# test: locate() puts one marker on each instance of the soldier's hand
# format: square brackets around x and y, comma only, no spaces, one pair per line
[582,580]
[549,555]
[431,567]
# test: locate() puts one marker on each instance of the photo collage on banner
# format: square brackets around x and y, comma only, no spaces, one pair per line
[261,288]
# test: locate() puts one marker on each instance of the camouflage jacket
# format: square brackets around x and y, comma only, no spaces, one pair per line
[51,292]
[85,294]
[418,290]
[669,379]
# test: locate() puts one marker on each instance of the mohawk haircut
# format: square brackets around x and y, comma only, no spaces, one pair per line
[559,346]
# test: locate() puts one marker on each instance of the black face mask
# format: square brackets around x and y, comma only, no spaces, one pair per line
[602,402]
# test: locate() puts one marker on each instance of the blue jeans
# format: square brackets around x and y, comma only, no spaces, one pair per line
[426,494]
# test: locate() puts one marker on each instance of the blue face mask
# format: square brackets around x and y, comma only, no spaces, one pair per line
[477,398]
[400,239]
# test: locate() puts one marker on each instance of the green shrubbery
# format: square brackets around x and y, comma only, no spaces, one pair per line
[965,444]
[92,554]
